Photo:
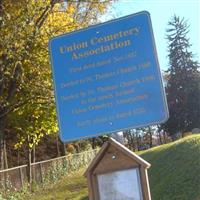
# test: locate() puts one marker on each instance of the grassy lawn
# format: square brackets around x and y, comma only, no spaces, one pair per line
[174,175]
[175,170]
[73,186]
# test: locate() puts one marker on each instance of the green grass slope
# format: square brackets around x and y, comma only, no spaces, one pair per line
[175,170]
[174,174]
[71,187]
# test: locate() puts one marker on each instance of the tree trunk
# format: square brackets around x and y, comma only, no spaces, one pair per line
[29,167]
[29,171]
[5,155]
[2,154]
[33,161]
[160,138]
[137,140]
[93,143]
[2,138]
[77,147]
[128,136]
[150,137]
[18,157]
[164,134]
[132,141]
[57,146]
[64,152]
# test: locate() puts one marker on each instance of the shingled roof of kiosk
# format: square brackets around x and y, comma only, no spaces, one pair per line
[114,156]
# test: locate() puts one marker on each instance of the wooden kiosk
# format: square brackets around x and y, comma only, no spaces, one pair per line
[116,173]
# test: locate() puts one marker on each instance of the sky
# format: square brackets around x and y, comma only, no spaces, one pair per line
[161,12]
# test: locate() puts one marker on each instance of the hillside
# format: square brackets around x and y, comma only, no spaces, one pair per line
[174,175]
[175,170]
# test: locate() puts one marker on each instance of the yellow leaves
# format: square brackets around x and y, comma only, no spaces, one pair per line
[17,45]
[71,20]
[71,9]
[64,7]
[102,7]
[19,143]
[55,129]
[30,145]
[17,146]
[19,129]
[57,7]
[59,21]
[26,61]
[41,135]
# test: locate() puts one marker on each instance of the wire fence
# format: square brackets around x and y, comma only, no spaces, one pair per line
[16,178]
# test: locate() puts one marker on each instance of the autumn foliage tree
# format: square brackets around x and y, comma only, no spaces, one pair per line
[26,93]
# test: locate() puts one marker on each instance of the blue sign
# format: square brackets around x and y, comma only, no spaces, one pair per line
[107,78]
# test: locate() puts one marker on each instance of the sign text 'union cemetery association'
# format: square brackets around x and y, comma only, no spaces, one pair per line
[107,78]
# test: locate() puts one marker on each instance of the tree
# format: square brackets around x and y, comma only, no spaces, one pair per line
[183,84]
[26,93]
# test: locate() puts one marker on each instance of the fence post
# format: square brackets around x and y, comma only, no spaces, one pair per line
[21,176]
[41,173]
[5,179]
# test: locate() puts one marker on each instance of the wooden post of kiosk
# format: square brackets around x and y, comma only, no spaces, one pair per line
[117,173]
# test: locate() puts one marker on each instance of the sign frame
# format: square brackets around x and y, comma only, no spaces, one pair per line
[98,133]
